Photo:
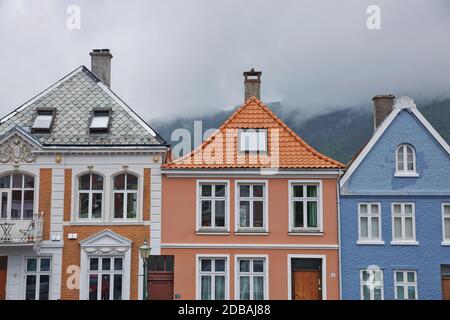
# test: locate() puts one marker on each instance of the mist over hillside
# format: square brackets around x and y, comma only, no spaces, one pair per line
[338,134]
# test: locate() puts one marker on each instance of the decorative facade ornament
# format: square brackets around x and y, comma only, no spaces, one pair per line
[16,151]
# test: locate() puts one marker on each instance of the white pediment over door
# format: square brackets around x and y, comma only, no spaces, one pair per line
[106,241]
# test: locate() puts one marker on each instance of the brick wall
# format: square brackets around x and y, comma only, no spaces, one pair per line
[45,199]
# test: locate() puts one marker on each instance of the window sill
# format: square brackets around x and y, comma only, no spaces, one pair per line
[445,243]
[106,223]
[370,242]
[404,243]
[305,232]
[214,232]
[251,232]
[406,175]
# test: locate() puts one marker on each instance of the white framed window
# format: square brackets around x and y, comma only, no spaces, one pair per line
[106,275]
[100,120]
[405,284]
[212,206]
[405,160]
[17,196]
[305,208]
[251,206]
[372,286]
[251,278]
[252,140]
[125,194]
[212,277]
[369,222]
[37,278]
[403,223]
[446,222]
[90,196]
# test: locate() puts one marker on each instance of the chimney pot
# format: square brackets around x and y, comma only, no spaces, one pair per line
[101,65]
[382,107]
[252,84]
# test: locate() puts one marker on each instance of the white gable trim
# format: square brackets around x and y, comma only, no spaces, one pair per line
[379,132]
[95,240]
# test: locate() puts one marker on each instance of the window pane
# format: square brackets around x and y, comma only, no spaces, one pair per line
[400,159]
[397,227]
[31,265]
[97,182]
[4,207]
[411,277]
[258,288]
[5,181]
[244,214]
[447,228]
[365,275]
[258,265]
[17,180]
[409,228]
[377,293]
[84,182]
[408,208]
[375,228]
[28,204]
[29,181]
[244,190]
[118,205]
[366,292]
[106,264]
[169,263]
[220,213]
[258,191]
[30,290]
[16,204]
[399,276]
[363,208]
[447,209]
[44,286]
[119,182]
[364,227]
[206,287]
[84,205]
[93,264]
[118,264]
[298,214]
[411,292]
[400,292]
[244,288]
[206,190]
[311,191]
[93,286]
[105,287]
[206,264]
[131,205]
[96,205]
[45,264]
[312,214]
[132,182]
[258,214]
[42,121]
[374,208]
[298,191]
[220,288]
[219,265]
[220,190]
[206,213]
[160,263]
[397,208]
[244,265]
[117,289]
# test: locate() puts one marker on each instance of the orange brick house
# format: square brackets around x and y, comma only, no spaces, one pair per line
[251,213]
[79,183]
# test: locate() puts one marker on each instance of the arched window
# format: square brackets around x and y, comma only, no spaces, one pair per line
[17,196]
[90,196]
[406,159]
[125,190]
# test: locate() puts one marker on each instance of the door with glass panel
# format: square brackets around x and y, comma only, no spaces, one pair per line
[160,277]
[37,278]
[106,278]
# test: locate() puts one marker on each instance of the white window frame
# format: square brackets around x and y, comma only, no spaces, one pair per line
[198,274]
[38,273]
[101,272]
[405,284]
[372,291]
[261,133]
[306,230]
[126,192]
[445,241]
[9,191]
[369,215]
[402,215]
[404,172]
[90,192]
[243,230]
[213,230]
[237,273]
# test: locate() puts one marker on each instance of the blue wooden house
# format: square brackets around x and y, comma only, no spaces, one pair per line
[395,209]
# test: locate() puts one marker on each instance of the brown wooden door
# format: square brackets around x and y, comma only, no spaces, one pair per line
[3,275]
[446,288]
[307,285]
[160,286]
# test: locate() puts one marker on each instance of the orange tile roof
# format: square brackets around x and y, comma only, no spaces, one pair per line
[286,150]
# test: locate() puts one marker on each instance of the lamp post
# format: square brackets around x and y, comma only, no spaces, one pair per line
[144,249]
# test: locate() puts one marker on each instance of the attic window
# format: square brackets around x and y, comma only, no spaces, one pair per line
[100,120]
[44,120]
[253,140]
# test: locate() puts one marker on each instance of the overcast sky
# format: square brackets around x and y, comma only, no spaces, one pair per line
[187,56]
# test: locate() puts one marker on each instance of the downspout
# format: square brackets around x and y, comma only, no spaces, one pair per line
[339,232]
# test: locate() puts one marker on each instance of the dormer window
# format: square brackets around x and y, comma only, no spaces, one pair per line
[43,120]
[253,140]
[405,161]
[100,120]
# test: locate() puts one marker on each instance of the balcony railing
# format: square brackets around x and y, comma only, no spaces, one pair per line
[21,231]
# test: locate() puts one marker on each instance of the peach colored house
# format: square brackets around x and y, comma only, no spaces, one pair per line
[251,213]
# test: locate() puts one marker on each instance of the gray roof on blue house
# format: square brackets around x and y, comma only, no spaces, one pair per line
[75,97]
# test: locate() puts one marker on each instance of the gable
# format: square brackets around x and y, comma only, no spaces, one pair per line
[106,240]
[375,173]
[16,147]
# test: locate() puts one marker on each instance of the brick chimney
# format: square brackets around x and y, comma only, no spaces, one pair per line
[252,84]
[101,65]
[382,107]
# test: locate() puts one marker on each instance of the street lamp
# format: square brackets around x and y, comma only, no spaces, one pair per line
[144,249]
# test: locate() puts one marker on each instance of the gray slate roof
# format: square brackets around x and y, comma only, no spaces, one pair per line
[74,99]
